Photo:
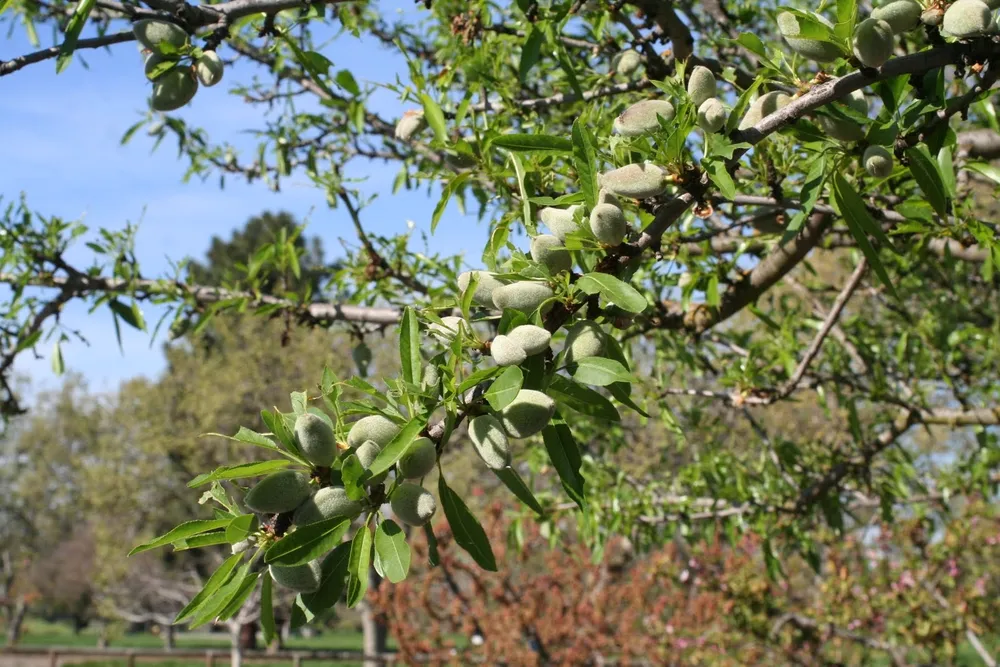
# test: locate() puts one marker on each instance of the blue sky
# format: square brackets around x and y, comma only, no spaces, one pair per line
[60,137]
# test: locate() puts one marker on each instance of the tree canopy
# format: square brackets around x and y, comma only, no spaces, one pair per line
[740,274]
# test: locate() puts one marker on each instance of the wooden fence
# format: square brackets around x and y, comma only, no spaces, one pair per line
[213,657]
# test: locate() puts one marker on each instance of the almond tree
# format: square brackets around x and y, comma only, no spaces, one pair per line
[733,211]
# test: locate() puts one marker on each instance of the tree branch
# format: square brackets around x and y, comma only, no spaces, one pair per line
[13,65]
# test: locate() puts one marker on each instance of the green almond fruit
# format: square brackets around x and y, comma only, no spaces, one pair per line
[637,181]
[448,328]
[608,224]
[411,124]
[845,129]
[527,414]
[605,197]
[174,89]
[627,62]
[549,251]
[413,504]
[560,221]
[762,107]
[967,18]
[873,42]
[506,352]
[239,547]
[152,34]
[486,283]
[300,578]
[643,117]
[326,503]
[367,452]
[901,15]
[712,115]
[584,339]
[316,438]
[418,460]
[490,441]
[431,377]
[530,338]
[525,296]
[813,49]
[701,86]
[209,68]
[279,492]
[877,161]
[377,428]
[932,16]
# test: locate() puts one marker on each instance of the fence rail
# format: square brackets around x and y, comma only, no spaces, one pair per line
[212,657]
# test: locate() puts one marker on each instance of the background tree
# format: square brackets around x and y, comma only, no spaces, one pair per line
[811,238]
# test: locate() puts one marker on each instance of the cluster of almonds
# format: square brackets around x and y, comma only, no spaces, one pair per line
[166,45]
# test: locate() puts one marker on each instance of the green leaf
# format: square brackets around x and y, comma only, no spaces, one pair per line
[752,43]
[847,14]
[392,550]
[947,171]
[465,527]
[742,102]
[581,399]
[309,542]
[397,447]
[854,216]
[614,290]
[201,541]
[214,583]
[530,52]
[131,314]
[347,81]
[357,568]
[519,172]
[241,527]
[565,456]
[513,481]
[409,347]
[73,30]
[57,359]
[435,117]
[251,438]
[812,189]
[220,600]
[719,175]
[186,529]
[475,378]
[240,595]
[928,177]
[240,471]
[333,579]
[504,389]
[585,162]
[985,169]
[533,142]
[446,194]
[599,371]
[267,610]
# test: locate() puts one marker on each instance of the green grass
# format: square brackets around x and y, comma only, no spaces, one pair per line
[38,633]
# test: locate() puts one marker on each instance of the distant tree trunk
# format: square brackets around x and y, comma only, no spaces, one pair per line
[102,636]
[236,649]
[248,636]
[16,621]
[168,636]
[373,626]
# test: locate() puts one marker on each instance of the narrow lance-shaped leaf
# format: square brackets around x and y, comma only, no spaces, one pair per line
[392,550]
[465,527]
